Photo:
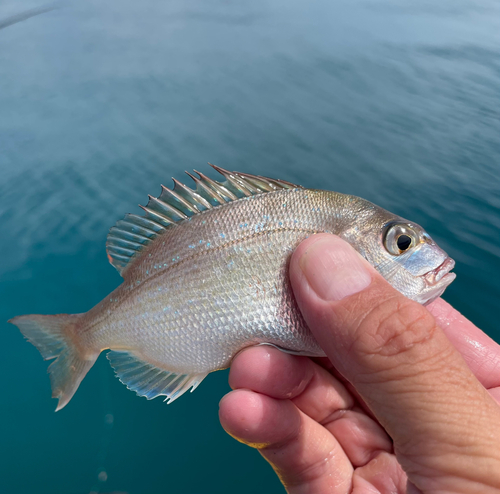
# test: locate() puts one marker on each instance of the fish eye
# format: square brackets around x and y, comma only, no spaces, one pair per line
[403,242]
[399,238]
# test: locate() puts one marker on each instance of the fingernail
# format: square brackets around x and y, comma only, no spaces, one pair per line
[333,269]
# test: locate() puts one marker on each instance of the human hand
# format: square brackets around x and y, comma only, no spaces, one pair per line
[409,403]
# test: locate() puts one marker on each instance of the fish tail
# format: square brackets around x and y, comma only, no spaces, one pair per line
[55,338]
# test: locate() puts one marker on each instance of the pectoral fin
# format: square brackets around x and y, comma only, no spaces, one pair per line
[150,381]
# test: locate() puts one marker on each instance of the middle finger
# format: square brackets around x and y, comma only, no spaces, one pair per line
[316,393]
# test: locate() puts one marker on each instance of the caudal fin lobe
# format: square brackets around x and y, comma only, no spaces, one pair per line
[54,337]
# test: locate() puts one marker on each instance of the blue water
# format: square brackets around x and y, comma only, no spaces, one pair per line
[100,102]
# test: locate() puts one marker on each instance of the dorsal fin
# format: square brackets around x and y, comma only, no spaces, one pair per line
[131,234]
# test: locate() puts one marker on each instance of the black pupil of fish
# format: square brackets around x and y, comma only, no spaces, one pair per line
[403,241]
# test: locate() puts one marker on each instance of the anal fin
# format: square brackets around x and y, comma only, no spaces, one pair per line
[150,381]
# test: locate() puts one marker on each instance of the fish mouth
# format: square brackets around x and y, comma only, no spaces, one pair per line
[441,274]
[437,280]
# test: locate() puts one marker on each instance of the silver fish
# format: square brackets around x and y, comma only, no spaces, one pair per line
[205,275]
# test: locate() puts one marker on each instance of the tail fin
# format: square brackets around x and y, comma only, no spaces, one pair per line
[54,337]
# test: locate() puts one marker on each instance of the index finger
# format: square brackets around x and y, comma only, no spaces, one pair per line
[481,353]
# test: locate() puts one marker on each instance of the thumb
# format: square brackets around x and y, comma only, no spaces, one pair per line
[441,419]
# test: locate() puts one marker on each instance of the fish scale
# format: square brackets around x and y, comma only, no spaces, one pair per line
[206,274]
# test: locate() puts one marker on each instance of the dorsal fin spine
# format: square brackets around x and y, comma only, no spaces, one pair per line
[258,183]
[276,184]
[165,209]
[192,208]
[237,188]
[172,197]
[157,218]
[227,195]
[190,196]
[130,235]
[206,192]
[248,185]
[232,183]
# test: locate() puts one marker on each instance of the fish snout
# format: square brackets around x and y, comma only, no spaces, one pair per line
[435,275]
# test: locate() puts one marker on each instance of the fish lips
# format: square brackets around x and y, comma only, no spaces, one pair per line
[436,275]
[437,280]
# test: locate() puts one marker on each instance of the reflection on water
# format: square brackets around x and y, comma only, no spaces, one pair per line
[100,103]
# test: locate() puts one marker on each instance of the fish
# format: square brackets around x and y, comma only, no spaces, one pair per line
[205,275]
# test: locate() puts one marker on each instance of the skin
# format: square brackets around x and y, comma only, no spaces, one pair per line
[407,401]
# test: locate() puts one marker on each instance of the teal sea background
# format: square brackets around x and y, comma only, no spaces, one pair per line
[101,102]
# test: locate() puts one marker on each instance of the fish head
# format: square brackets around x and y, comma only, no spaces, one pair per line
[405,255]
[420,268]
